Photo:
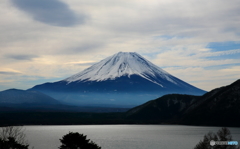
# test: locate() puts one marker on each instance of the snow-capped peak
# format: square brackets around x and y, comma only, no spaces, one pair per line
[122,64]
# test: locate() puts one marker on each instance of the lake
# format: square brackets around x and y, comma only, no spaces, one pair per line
[125,136]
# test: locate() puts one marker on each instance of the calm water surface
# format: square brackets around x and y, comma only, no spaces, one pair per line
[125,136]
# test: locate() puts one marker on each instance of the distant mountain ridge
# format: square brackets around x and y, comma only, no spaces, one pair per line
[15,100]
[126,78]
[16,96]
[219,107]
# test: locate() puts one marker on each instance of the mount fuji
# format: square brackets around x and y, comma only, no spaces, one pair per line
[125,79]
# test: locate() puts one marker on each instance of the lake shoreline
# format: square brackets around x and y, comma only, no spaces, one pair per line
[79,118]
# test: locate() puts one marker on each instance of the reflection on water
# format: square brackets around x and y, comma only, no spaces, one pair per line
[125,136]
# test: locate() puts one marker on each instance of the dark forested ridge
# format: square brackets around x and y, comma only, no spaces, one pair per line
[219,107]
[162,109]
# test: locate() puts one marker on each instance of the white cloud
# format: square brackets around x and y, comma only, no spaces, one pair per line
[113,26]
[206,79]
[9,71]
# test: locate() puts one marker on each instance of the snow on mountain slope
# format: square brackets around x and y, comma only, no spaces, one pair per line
[122,64]
[125,78]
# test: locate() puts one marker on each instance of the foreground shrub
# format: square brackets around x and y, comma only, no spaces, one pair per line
[223,134]
[12,138]
[77,141]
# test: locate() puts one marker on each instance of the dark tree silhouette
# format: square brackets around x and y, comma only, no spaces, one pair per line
[77,141]
[223,134]
[12,138]
[11,143]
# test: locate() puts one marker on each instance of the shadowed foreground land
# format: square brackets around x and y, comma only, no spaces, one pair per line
[62,118]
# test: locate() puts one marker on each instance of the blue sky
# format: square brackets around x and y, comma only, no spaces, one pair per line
[223,46]
[45,41]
